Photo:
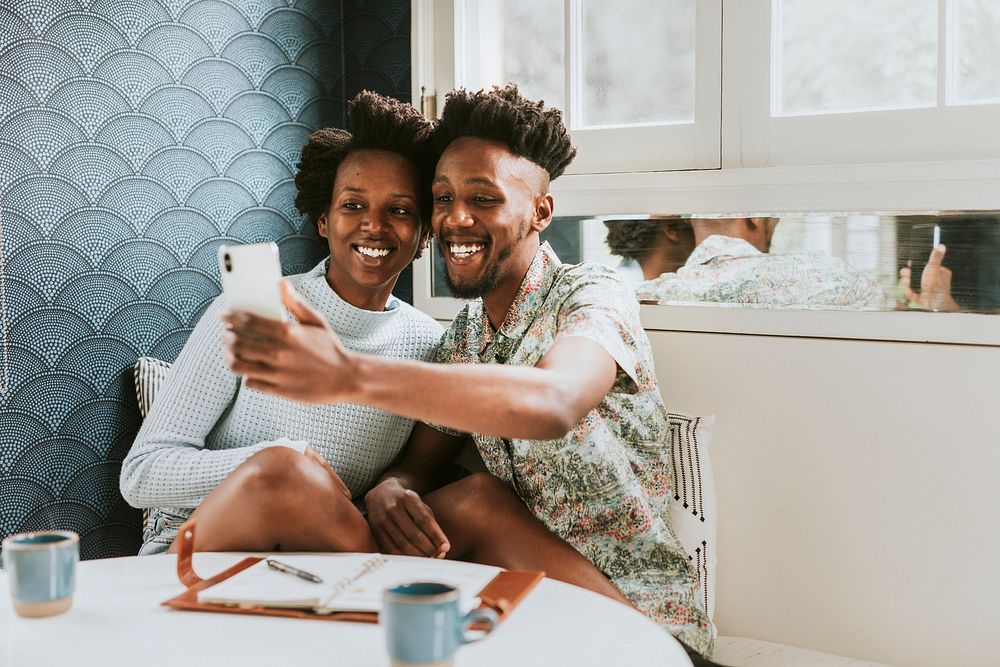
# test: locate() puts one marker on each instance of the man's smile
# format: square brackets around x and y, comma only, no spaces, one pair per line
[464,250]
[460,252]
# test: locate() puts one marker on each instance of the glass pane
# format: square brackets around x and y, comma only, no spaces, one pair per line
[637,62]
[946,262]
[855,54]
[939,261]
[519,41]
[978,44]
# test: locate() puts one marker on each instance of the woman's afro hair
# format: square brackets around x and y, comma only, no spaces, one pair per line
[377,122]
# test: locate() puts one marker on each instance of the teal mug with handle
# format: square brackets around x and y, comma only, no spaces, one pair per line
[424,625]
[41,571]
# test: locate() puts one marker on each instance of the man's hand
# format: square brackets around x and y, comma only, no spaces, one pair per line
[302,360]
[313,455]
[935,284]
[402,523]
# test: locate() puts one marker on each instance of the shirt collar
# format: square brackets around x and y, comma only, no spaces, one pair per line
[720,246]
[526,305]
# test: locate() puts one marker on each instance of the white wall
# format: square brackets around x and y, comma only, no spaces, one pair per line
[859,491]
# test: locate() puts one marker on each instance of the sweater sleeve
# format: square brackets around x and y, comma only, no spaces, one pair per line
[169,465]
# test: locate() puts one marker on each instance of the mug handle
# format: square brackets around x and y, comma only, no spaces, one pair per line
[484,615]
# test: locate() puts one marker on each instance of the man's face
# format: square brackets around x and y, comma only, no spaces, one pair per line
[486,215]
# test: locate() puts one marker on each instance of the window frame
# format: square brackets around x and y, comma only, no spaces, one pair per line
[752,179]
[656,147]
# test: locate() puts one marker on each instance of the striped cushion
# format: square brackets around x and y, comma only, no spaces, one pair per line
[149,374]
[693,510]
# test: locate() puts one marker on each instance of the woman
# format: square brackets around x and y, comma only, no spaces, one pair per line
[263,472]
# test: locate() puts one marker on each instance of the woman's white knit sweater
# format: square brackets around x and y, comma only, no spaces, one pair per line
[205,422]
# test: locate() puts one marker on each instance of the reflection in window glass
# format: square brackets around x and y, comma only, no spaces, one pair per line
[638,62]
[518,41]
[977,74]
[855,54]
[932,261]
[863,241]
[940,261]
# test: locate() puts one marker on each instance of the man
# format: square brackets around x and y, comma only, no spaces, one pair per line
[731,264]
[549,368]
[650,247]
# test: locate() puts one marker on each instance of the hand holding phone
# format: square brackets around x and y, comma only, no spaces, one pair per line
[926,238]
[302,361]
[250,277]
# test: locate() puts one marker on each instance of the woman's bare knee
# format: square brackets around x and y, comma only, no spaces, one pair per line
[280,498]
[272,468]
[281,486]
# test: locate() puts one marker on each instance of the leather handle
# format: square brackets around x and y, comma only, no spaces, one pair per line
[499,605]
[185,550]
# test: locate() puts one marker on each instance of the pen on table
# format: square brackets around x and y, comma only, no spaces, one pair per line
[288,569]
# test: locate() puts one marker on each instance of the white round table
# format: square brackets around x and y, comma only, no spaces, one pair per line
[117,619]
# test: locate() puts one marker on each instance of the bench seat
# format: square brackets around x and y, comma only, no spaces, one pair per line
[744,652]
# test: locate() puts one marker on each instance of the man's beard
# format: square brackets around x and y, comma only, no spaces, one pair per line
[491,278]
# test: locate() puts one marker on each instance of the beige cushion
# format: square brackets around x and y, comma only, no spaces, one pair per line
[744,652]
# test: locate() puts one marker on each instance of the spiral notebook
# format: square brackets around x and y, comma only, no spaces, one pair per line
[351,588]
[350,582]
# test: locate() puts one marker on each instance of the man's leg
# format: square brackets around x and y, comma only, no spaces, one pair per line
[280,499]
[486,522]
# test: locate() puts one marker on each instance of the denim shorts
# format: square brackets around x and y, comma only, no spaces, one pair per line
[161,528]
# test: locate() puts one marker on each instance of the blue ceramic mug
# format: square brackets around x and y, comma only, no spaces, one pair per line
[41,571]
[423,625]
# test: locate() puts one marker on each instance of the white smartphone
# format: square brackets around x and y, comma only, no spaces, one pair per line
[250,275]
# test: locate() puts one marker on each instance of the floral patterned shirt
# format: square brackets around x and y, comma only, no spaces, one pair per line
[604,486]
[725,269]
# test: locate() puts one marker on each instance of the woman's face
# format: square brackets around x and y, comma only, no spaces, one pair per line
[372,225]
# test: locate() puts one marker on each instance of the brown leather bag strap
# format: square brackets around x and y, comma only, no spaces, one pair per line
[185,549]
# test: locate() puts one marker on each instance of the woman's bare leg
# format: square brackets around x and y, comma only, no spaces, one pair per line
[279,499]
[486,522]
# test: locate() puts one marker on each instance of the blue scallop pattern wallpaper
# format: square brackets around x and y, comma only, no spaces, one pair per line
[136,136]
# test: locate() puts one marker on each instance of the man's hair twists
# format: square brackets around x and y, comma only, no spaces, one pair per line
[502,114]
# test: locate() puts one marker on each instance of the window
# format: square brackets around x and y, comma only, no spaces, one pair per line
[653,86]
[823,56]
[749,105]
[857,55]
[975,55]
[862,81]
[637,81]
